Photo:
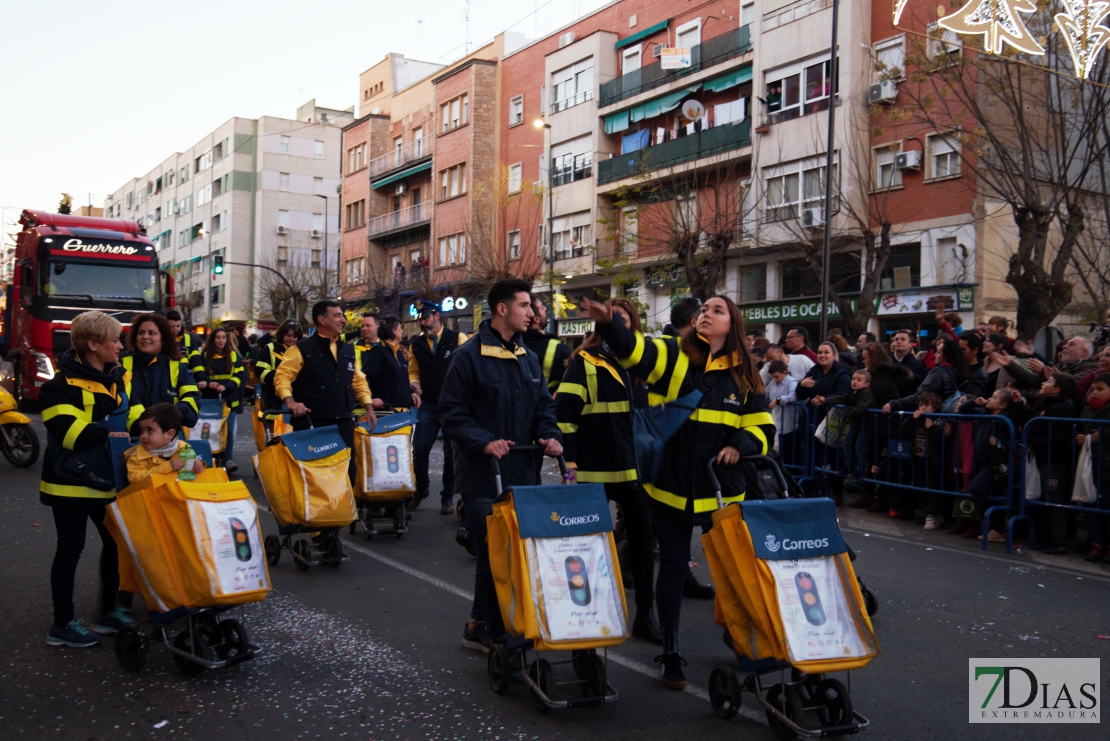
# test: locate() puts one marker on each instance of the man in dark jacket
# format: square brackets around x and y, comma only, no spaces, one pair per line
[553,354]
[495,397]
[901,347]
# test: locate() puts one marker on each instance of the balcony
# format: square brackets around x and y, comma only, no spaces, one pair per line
[407,154]
[395,221]
[703,56]
[676,152]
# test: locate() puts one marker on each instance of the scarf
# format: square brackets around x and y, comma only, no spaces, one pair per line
[1097,404]
[165,451]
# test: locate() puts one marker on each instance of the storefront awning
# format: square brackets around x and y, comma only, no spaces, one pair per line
[617,122]
[629,40]
[402,174]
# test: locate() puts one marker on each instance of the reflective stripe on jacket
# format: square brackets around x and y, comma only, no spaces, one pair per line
[182,391]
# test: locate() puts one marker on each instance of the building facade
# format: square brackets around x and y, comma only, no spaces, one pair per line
[255,191]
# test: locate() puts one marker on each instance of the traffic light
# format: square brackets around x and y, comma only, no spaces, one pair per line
[217,264]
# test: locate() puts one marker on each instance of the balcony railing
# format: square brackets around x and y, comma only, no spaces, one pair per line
[703,56]
[675,152]
[421,213]
[410,152]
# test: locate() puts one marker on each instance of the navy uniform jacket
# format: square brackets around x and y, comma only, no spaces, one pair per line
[495,392]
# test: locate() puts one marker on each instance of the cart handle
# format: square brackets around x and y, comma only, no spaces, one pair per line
[523,449]
[751,458]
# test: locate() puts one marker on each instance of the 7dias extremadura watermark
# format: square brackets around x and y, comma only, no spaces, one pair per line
[1033,690]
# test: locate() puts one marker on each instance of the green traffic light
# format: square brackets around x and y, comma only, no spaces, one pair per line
[218,265]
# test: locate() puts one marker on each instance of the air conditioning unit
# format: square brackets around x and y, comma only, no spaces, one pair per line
[282,229]
[657,51]
[567,39]
[882,93]
[811,217]
[400,190]
[317,233]
[908,160]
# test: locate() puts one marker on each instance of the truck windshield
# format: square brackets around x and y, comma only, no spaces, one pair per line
[100,281]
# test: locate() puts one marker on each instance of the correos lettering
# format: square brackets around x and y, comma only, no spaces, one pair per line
[322,448]
[583,520]
[794,545]
[76,245]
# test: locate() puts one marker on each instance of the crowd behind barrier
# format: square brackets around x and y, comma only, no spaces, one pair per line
[1048,474]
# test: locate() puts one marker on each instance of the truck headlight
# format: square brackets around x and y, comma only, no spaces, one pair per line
[44,369]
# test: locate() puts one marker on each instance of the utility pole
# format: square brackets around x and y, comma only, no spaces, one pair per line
[539,123]
[826,249]
[324,290]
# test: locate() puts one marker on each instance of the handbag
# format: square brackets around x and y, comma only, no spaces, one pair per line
[1085,491]
[653,426]
[1032,478]
[838,429]
[91,467]
[820,432]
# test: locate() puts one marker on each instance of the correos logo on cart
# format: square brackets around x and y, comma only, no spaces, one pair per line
[773,545]
[572,521]
[322,448]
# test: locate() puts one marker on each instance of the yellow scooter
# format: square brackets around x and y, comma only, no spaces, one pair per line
[18,441]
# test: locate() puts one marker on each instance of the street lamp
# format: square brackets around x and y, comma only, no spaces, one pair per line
[539,123]
[325,287]
[211,276]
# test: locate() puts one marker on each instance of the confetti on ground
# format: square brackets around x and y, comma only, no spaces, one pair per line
[161,724]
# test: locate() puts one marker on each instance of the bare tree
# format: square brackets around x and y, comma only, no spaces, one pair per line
[501,208]
[189,290]
[1033,135]
[304,276]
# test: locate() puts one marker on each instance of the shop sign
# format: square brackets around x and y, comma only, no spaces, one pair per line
[926,301]
[678,57]
[575,327]
[664,275]
[799,311]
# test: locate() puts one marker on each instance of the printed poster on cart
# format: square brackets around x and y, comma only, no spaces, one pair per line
[232,529]
[815,613]
[391,463]
[578,587]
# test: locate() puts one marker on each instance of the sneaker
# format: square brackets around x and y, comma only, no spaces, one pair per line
[112,623]
[477,638]
[933,522]
[446,507]
[415,500]
[893,512]
[673,676]
[74,635]
[996,537]
[691,587]
[958,529]
[230,467]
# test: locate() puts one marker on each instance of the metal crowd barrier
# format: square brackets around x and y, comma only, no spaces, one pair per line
[1046,433]
[796,446]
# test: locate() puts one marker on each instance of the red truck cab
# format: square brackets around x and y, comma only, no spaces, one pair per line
[66,265]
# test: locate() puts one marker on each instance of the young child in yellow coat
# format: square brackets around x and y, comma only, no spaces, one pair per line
[160,446]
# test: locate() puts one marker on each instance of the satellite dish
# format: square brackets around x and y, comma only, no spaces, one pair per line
[693,110]
[376,110]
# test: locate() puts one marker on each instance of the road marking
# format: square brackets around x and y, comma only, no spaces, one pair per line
[615,657]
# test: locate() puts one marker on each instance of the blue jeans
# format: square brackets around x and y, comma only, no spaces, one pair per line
[232,426]
[478,507]
[674,563]
[427,427]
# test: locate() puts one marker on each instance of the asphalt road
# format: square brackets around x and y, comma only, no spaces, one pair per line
[372,650]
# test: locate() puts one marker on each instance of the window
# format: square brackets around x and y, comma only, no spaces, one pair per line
[315,258]
[196,231]
[628,238]
[573,240]
[686,213]
[318,223]
[183,238]
[516,111]
[581,237]
[797,191]
[318,186]
[185,205]
[318,150]
[356,158]
[282,255]
[571,161]
[203,162]
[286,145]
[217,294]
[798,279]
[204,195]
[158,185]
[453,113]
[813,195]
[452,250]
[354,271]
[753,283]
[890,59]
[218,186]
[219,221]
[798,90]
[630,59]
[283,218]
[169,178]
[747,14]
[903,267]
[944,156]
[220,150]
[515,175]
[183,176]
[513,242]
[572,85]
[416,205]
[398,146]
[418,142]
[943,44]
[157,215]
[688,34]
[283,181]
[356,214]
[452,181]
[886,174]
[781,196]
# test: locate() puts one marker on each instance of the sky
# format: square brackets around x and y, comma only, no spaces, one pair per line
[93,94]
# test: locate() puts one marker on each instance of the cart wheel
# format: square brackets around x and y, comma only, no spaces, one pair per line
[229,640]
[579,658]
[300,548]
[543,675]
[774,697]
[272,544]
[200,650]
[724,692]
[834,704]
[335,550]
[869,600]
[497,665]
[397,535]
[594,674]
[132,648]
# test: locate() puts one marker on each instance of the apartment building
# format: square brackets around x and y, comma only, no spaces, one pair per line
[257,191]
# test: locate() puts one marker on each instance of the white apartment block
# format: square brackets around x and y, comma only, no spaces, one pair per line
[261,191]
